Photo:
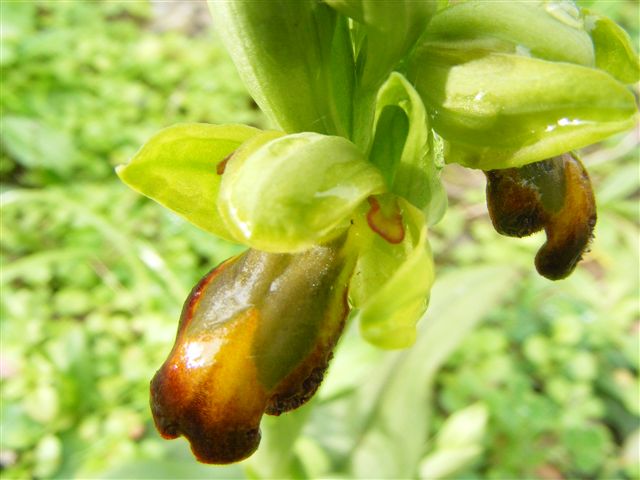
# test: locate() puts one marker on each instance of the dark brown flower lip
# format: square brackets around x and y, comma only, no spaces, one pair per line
[231,363]
[555,195]
[225,446]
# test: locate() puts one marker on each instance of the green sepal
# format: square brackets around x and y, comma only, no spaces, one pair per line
[290,193]
[405,150]
[177,169]
[540,29]
[614,51]
[390,286]
[501,110]
[295,58]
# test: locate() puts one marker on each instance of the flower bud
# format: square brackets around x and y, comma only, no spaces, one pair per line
[255,336]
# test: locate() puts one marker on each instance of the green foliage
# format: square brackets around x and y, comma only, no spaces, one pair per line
[84,83]
[93,275]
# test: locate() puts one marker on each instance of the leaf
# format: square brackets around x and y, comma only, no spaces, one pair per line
[393,439]
[276,457]
[34,144]
[465,427]
[500,111]
[413,171]
[168,468]
[295,59]
[177,169]
[443,463]
[540,29]
[391,282]
[296,191]
[613,48]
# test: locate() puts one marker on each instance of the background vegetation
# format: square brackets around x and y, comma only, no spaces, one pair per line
[513,376]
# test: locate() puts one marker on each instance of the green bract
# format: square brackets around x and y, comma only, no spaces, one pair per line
[295,59]
[296,191]
[613,49]
[391,283]
[177,168]
[500,110]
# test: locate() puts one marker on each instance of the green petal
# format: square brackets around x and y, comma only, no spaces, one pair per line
[293,192]
[614,50]
[391,282]
[177,169]
[500,110]
[404,148]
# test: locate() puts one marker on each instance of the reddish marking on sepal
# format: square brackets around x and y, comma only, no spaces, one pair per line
[222,164]
[386,224]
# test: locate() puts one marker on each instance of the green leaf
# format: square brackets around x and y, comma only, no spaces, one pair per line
[463,428]
[296,191]
[540,29]
[443,463]
[391,444]
[614,51]
[177,168]
[391,28]
[295,59]
[405,150]
[502,110]
[276,457]
[391,282]
[34,144]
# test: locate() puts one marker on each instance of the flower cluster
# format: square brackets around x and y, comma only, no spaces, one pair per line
[371,99]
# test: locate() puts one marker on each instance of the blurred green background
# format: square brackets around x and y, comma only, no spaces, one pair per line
[513,376]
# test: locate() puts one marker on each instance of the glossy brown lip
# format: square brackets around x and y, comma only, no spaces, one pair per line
[554,195]
[255,336]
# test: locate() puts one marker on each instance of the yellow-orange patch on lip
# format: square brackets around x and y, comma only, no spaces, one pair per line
[208,391]
[570,230]
[386,219]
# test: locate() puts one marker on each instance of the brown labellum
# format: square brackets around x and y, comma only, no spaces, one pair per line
[554,194]
[255,336]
